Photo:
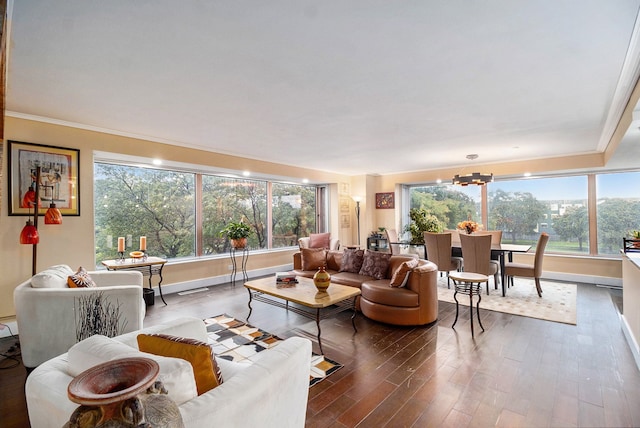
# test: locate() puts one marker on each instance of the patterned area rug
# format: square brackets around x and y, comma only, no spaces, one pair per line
[235,340]
[558,301]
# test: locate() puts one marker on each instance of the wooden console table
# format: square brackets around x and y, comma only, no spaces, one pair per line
[146,265]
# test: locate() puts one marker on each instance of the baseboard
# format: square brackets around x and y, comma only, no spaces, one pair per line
[633,345]
[584,279]
[222,279]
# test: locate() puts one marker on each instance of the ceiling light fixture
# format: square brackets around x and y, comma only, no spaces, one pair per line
[477,178]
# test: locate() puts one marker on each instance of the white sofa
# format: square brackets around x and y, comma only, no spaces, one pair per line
[46,309]
[271,392]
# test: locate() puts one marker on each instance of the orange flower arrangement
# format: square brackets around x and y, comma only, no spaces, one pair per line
[469,226]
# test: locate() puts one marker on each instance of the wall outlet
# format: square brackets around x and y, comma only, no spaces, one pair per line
[230,267]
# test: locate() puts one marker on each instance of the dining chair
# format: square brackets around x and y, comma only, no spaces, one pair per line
[476,256]
[438,247]
[496,239]
[392,240]
[456,251]
[529,271]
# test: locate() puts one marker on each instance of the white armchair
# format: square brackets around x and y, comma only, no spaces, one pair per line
[52,317]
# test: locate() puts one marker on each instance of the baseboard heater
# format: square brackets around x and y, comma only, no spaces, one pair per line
[197,290]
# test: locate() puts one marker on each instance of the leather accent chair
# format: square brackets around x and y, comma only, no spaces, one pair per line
[304,243]
[414,304]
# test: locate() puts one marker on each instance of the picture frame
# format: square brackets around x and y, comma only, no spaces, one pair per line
[385,200]
[345,221]
[345,203]
[59,177]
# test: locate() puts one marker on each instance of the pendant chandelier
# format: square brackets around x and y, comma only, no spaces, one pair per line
[476,178]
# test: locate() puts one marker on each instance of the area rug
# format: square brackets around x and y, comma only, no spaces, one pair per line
[235,340]
[558,301]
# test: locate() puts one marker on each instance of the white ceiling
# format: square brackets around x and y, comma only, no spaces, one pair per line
[355,87]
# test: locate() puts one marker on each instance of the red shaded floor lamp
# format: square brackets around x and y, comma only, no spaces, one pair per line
[29,234]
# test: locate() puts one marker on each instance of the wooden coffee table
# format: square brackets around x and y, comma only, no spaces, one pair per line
[308,302]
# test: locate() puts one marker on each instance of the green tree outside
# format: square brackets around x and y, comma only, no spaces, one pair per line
[573,224]
[517,214]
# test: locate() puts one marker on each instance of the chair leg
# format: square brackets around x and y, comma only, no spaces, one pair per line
[471,308]
[496,280]
[478,311]
[538,287]
[448,281]
[456,299]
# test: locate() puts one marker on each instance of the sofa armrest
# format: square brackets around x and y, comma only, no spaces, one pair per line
[46,391]
[116,278]
[47,317]
[297,261]
[272,392]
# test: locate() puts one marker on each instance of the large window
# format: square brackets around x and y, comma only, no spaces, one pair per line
[559,206]
[451,204]
[294,213]
[165,207]
[523,209]
[226,199]
[618,207]
[134,202]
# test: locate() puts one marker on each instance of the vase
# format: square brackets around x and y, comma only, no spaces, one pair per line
[122,393]
[239,243]
[322,280]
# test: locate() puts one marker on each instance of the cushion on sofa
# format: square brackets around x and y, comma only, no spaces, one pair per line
[378,291]
[401,273]
[80,279]
[334,260]
[175,374]
[52,277]
[375,264]
[320,240]
[198,354]
[352,260]
[313,258]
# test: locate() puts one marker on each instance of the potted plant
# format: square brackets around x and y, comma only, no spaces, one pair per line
[422,221]
[237,232]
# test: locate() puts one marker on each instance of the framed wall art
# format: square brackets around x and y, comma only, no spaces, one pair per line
[59,177]
[385,200]
[345,203]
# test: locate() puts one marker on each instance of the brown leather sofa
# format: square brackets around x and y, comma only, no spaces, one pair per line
[414,304]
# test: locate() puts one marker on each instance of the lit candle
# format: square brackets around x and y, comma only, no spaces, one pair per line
[121,244]
[143,243]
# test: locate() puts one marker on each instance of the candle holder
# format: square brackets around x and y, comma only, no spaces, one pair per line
[121,256]
[144,255]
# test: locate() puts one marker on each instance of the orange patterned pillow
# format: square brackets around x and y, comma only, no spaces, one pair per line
[80,279]
[199,354]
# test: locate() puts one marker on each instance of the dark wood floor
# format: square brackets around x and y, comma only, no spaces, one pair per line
[519,372]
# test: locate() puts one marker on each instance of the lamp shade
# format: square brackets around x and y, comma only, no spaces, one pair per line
[53,215]
[29,234]
[29,198]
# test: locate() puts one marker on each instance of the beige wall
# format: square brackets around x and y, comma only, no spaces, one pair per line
[72,242]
